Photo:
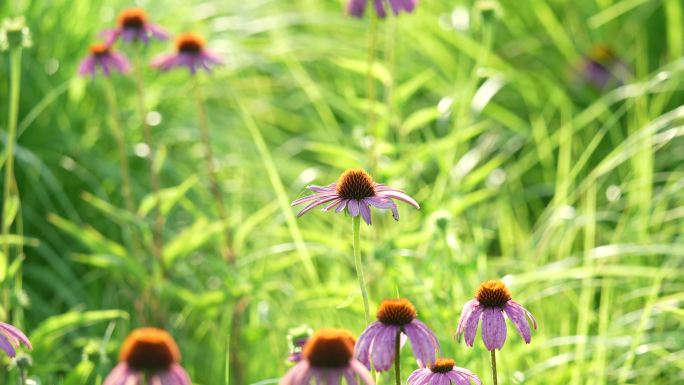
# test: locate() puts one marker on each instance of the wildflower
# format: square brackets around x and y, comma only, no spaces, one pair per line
[148,353]
[492,300]
[133,26]
[356,8]
[11,338]
[327,357]
[355,191]
[191,53]
[443,372]
[378,341]
[297,338]
[101,55]
[602,67]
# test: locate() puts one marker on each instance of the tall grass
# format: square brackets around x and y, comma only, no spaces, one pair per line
[571,194]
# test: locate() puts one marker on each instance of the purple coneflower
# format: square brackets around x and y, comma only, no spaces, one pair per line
[133,26]
[11,338]
[148,355]
[378,342]
[492,300]
[356,8]
[191,53]
[443,372]
[602,68]
[327,357]
[102,56]
[355,191]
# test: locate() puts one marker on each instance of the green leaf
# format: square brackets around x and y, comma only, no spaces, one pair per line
[169,197]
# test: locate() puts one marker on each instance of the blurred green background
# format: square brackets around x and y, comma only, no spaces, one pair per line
[570,192]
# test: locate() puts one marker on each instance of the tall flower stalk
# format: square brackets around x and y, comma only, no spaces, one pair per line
[356,192]
[358,263]
[158,226]
[212,173]
[120,138]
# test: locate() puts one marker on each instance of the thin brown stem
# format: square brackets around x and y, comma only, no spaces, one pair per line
[493,366]
[158,227]
[214,186]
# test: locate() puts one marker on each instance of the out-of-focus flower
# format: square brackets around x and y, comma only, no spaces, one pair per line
[327,358]
[443,372]
[102,56]
[395,317]
[11,338]
[148,356]
[492,301]
[133,26]
[602,68]
[297,338]
[190,53]
[357,8]
[355,191]
[14,34]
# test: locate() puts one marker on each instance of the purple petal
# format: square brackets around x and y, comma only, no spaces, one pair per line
[332,204]
[342,205]
[353,207]
[529,315]
[314,204]
[331,188]
[471,325]
[467,375]
[396,194]
[493,328]
[418,376]
[15,334]
[157,31]
[363,344]
[120,375]
[7,346]
[356,7]
[380,8]
[423,344]
[87,66]
[467,308]
[517,316]
[310,198]
[365,211]
[382,350]
[294,375]
[361,371]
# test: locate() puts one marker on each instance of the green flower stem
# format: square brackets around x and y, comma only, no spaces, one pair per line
[15,79]
[494,381]
[356,227]
[158,227]
[214,186]
[120,138]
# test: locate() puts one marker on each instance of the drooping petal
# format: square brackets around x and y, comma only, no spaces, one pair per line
[361,371]
[384,203]
[493,328]
[527,312]
[295,374]
[120,375]
[467,308]
[422,344]
[332,204]
[467,375]
[418,376]
[17,335]
[342,205]
[7,346]
[382,350]
[396,194]
[356,8]
[517,316]
[157,31]
[353,207]
[87,66]
[310,198]
[313,204]
[365,211]
[380,8]
[471,325]
[363,344]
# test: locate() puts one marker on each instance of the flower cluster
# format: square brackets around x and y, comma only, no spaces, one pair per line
[133,26]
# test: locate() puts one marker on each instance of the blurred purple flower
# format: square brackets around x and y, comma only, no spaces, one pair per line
[191,53]
[602,68]
[102,56]
[148,355]
[133,26]
[11,338]
[492,301]
[327,357]
[395,317]
[443,372]
[357,8]
[355,191]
